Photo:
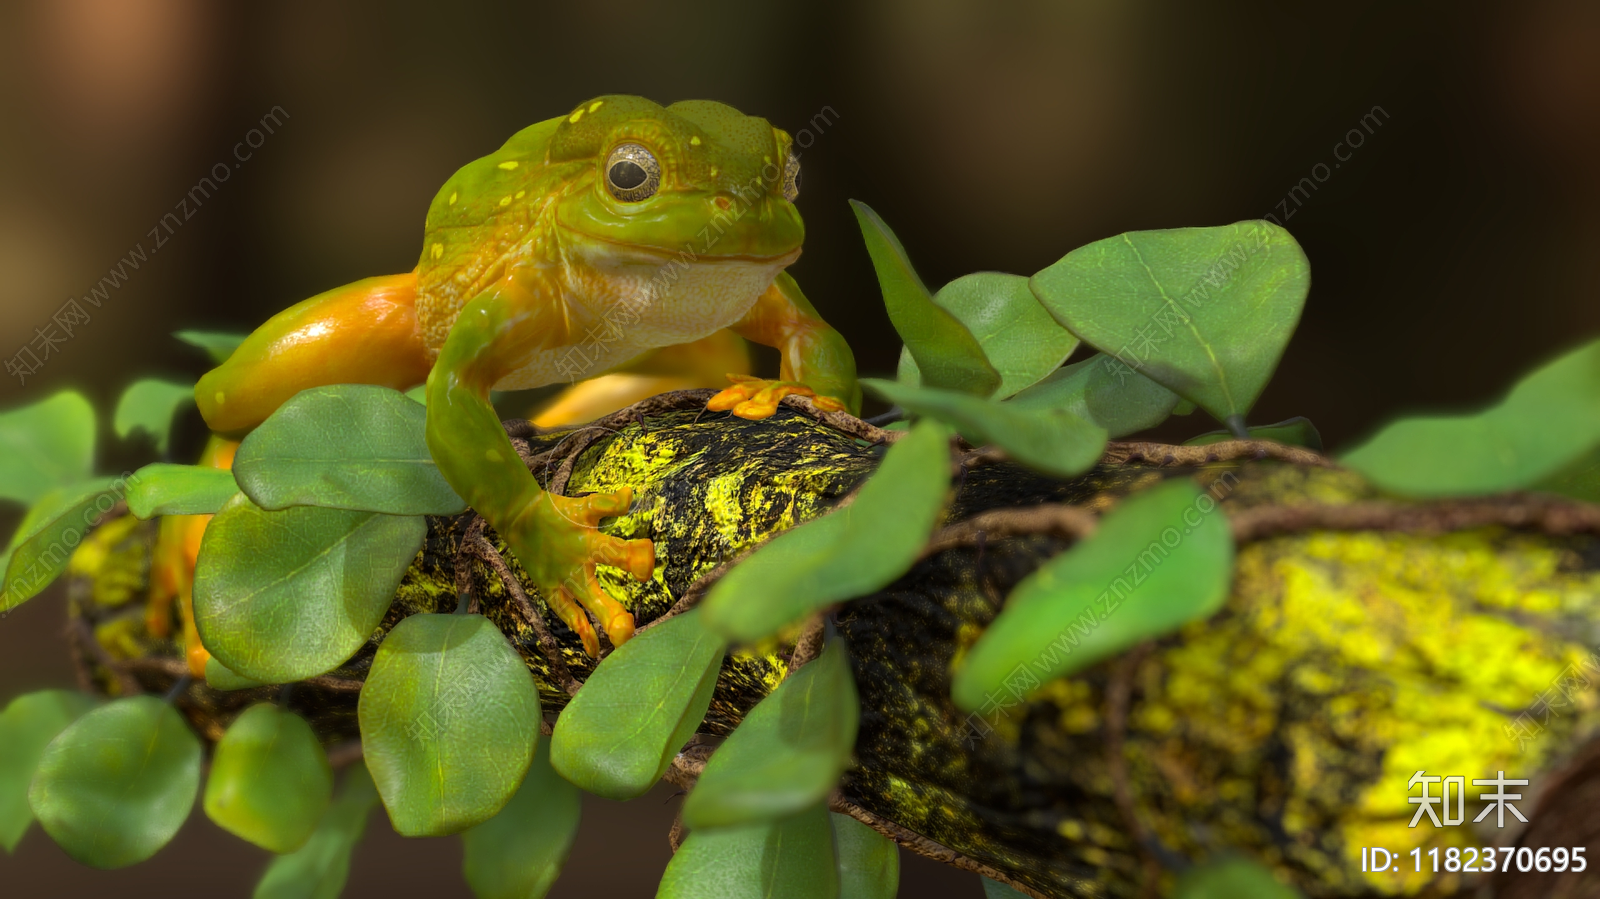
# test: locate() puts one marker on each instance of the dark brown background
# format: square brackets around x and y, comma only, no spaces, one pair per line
[1458,245]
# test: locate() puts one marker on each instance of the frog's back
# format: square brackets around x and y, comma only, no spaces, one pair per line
[477,222]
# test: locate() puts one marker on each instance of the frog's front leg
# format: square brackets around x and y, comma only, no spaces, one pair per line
[556,538]
[816,360]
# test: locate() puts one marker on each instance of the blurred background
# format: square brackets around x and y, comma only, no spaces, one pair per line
[1436,160]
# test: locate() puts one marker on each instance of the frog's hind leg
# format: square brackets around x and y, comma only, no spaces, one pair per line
[362,333]
[702,363]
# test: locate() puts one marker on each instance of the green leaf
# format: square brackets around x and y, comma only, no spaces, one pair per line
[449,717]
[869,862]
[1017,335]
[518,853]
[27,726]
[283,596]
[1580,480]
[117,784]
[1158,560]
[219,345]
[319,869]
[847,553]
[1297,431]
[149,405]
[1549,421]
[946,353]
[270,781]
[642,703]
[1053,441]
[218,677]
[165,489]
[1233,878]
[788,752]
[788,859]
[46,446]
[1104,392]
[1206,312]
[350,446]
[994,889]
[418,394]
[44,541]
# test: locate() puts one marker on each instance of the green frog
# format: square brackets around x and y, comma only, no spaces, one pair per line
[611,247]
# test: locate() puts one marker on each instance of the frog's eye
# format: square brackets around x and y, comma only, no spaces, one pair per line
[791,178]
[632,173]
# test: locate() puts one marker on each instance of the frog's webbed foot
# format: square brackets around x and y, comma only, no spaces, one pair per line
[757,398]
[558,541]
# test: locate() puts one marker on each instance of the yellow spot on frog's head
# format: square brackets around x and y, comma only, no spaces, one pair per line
[595,105]
[713,171]
[509,164]
[453,195]
[493,455]
[438,250]
[694,141]
[767,160]
[576,116]
[505,201]
[520,194]
[220,398]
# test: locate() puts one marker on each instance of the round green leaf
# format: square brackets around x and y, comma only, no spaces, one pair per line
[319,869]
[788,859]
[283,596]
[270,781]
[350,446]
[620,733]
[44,541]
[1206,312]
[164,489]
[1017,335]
[848,552]
[946,353]
[1231,879]
[1160,559]
[117,784]
[994,889]
[149,405]
[1104,392]
[449,717]
[46,446]
[1053,441]
[518,853]
[219,345]
[27,726]
[787,754]
[218,677]
[1548,422]
[869,862]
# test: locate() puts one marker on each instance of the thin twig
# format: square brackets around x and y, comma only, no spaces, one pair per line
[1168,456]
[1118,693]
[1070,522]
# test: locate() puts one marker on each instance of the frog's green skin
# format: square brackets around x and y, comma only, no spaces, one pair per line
[546,262]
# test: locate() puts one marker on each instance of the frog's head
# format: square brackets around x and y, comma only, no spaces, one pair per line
[697,177]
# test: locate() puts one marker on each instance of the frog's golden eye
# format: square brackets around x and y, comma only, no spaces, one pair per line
[632,173]
[791,177]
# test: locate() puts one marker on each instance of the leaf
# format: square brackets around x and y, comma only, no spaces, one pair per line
[219,345]
[27,726]
[161,488]
[1580,480]
[788,859]
[283,596]
[1158,560]
[449,717]
[218,677]
[846,553]
[642,703]
[418,394]
[270,781]
[46,446]
[1233,878]
[319,869]
[1297,431]
[117,784]
[518,853]
[994,889]
[1548,421]
[869,862]
[44,541]
[788,752]
[946,353]
[1052,441]
[149,405]
[350,446]
[1205,312]
[1018,337]
[1104,392]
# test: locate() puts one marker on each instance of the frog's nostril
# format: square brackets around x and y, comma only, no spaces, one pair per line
[723,203]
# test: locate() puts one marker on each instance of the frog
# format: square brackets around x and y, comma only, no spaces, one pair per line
[618,248]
